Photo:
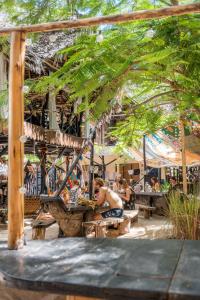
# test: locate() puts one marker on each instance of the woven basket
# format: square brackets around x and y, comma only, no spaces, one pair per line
[31,205]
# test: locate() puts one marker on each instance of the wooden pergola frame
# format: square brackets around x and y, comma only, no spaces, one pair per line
[16,100]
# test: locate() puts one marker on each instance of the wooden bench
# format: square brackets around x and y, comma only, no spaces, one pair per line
[147,210]
[100,226]
[39,228]
[132,215]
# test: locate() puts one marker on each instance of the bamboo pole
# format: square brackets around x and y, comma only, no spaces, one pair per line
[183,155]
[15,147]
[176,10]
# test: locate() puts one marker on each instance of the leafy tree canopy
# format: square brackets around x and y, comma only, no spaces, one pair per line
[151,68]
[34,11]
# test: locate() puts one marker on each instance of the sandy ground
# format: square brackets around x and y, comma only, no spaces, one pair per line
[156,227]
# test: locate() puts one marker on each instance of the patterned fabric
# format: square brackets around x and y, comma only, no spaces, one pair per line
[113,213]
[73,195]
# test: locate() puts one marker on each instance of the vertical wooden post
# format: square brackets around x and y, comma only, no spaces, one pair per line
[144,159]
[103,168]
[15,147]
[91,169]
[183,155]
[52,110]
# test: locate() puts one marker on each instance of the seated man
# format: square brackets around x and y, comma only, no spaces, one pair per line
[107,195]
[174,186]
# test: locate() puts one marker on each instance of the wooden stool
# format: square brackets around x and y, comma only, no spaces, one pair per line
[132,214]
[39,228]
[100,226]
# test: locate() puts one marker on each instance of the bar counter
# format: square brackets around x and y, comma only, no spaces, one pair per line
[102,268]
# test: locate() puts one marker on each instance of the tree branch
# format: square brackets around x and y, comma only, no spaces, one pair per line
[152,98]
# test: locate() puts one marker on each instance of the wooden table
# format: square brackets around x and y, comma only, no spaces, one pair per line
[112,269]
[157,200]
[70,217]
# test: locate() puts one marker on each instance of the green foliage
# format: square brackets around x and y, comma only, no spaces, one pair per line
[37,11]
[145,65]
[165,186]
[148,72]
[32,158]
[184,215]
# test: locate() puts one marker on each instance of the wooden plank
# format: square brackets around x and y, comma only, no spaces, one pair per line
[104,222]
[80,298]
[15,147]
[183,155]
[126,17]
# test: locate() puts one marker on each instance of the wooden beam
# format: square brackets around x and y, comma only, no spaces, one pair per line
[15,147]
[183,155]
[113,19]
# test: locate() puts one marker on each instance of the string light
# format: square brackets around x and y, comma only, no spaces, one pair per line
[150,33]
[23,139]
[26,89]
[28,42]
[52,38]
[22,190]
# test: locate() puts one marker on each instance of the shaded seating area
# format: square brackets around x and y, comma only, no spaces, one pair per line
[80,268]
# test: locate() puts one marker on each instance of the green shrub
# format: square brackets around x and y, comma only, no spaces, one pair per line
[184,214]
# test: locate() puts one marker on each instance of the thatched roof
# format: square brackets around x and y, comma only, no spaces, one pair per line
[43,54]
[50,140]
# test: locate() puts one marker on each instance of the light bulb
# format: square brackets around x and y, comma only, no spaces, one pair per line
[52,38]
[22,190]
[26,89]
[4,111]
[28,42]
[99,38]
[150,33]
[23,139]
